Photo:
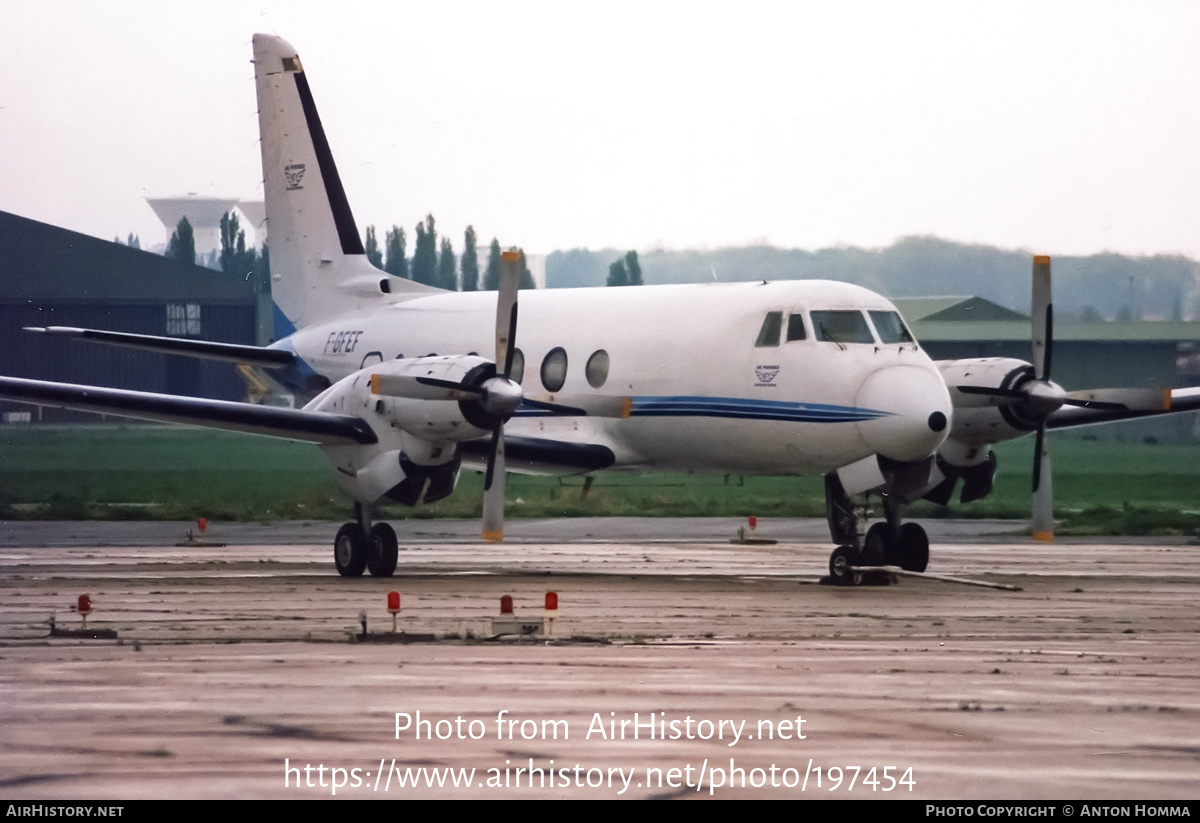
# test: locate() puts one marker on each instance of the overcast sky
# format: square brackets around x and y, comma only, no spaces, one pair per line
[1056,127]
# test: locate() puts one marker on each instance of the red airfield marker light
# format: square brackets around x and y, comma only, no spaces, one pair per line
[508,623]
[393,607]
[747,535]
[84,607]
[551,611]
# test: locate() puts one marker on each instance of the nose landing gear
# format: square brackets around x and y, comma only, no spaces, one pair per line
[888,543]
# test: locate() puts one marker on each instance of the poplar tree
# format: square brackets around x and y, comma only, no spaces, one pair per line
[424,262]
[395,243]
[371,247]
[233,256]
[447,278]
[526,281]
[491,276]
[470,262]
[183,243]
[634,268]
[617,275]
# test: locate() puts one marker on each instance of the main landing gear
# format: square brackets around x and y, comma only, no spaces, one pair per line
[361,546]
[889,543]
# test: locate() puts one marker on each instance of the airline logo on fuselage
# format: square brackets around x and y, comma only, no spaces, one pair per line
[766,375]
[294,174]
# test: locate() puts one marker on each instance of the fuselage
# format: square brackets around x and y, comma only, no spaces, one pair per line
[781,378]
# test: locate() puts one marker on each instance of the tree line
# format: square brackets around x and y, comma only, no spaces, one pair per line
[432,263]
[436,264]
[1094,287]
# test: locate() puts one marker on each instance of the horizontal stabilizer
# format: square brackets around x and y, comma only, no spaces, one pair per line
[292,424]
[229,352]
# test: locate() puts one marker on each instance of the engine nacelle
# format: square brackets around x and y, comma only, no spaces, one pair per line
[416,456]
[433,421]
[982,419]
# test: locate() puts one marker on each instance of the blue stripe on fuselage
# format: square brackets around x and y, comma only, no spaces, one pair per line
[737,408]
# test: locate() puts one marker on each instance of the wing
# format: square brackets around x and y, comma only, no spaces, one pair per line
[228,352]
[1174,401]
[534,455]
[292,424]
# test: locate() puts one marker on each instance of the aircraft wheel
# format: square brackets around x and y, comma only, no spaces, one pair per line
[381,559]
[840,562]
[914,548]
[877,546]
[350,550]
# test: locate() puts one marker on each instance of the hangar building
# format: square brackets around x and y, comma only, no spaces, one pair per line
[50,276]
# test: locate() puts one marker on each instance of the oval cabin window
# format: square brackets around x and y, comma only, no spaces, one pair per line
[554,370]
[597,369]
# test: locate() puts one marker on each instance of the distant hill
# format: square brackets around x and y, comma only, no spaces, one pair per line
[1099,286]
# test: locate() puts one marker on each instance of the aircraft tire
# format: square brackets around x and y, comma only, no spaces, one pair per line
[350,550]
[384,550]
[840,562]
[877,546]
[914,548]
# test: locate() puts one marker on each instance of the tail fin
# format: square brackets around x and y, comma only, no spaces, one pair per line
[318,266]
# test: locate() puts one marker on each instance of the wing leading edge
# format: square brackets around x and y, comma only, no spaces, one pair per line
[1174,401]
[292,424]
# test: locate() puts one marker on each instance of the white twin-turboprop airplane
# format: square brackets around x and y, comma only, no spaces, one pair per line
[789,378]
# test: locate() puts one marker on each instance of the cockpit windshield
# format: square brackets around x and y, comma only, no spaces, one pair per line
[845,326]
[839,326]
[890,327]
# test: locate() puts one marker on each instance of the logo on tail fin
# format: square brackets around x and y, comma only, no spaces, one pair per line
[294,174]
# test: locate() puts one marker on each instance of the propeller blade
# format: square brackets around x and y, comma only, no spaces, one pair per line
[1000,397]
[1042,315]
[420,388]
[1038,447]
[1120,399]
[1043,491]
[506,310]
[493,489]
[506,342]
[583,406]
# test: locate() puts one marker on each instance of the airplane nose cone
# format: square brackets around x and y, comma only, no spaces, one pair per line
[915,412]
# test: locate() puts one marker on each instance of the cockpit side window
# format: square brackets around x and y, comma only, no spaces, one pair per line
[841,327]
[891,327]
[795,328]
[768,335]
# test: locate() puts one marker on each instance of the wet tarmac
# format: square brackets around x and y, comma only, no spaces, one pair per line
[679,665]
